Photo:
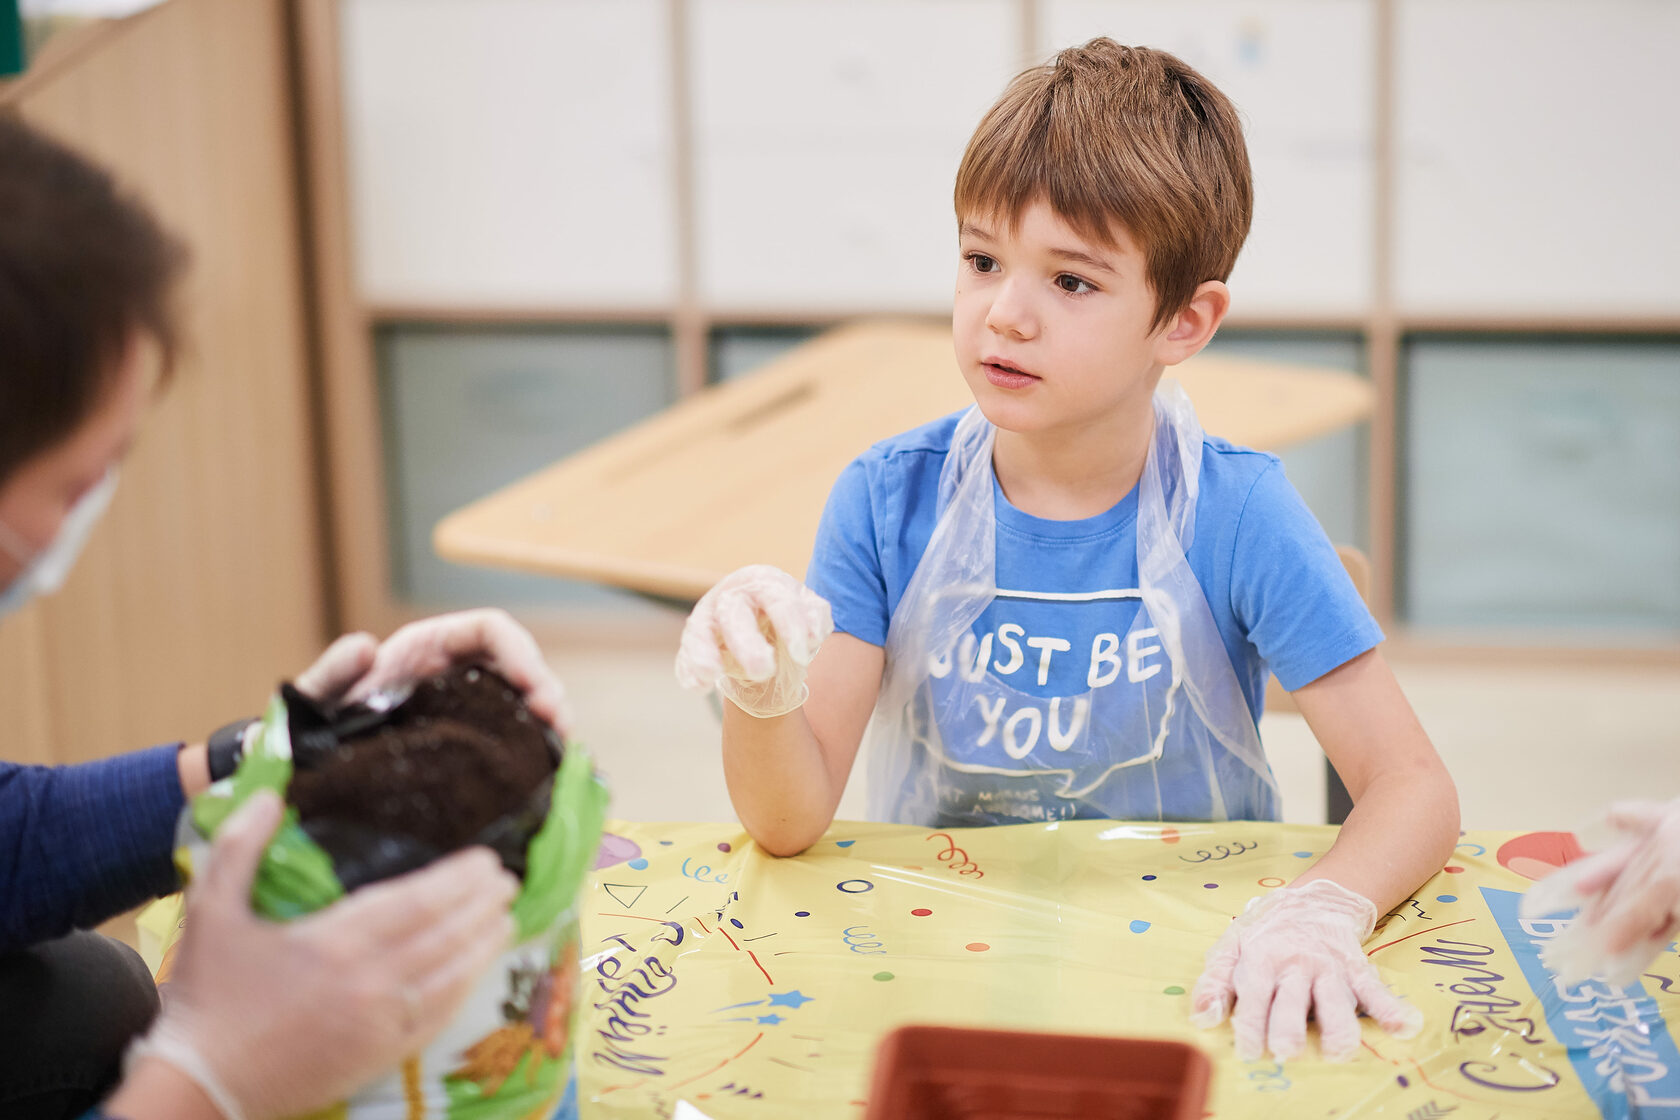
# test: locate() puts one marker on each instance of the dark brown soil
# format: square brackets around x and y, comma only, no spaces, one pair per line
[461,753]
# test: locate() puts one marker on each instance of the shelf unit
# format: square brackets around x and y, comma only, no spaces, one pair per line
[1378,31]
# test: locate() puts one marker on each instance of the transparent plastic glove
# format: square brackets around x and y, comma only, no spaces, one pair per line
[1295,949]
[339,667]
[1627,898]
[276,1020]
[485,636]
[753,636]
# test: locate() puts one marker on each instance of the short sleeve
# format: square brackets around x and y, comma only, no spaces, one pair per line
[1289,590]
[846,561]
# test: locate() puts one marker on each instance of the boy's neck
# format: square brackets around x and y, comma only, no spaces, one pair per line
[1078,471]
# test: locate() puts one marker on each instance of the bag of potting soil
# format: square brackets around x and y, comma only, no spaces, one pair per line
[377,789]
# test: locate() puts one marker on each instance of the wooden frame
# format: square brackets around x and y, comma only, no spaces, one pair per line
[205,581]
[354,494]
[359,538]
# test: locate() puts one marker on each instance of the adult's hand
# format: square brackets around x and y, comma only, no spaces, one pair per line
[338,668]
[1626,898]
[485,636]
[280,1019]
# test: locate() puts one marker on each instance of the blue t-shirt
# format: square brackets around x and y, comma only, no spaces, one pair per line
[1068,590]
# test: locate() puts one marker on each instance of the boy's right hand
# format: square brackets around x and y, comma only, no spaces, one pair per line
[752,636]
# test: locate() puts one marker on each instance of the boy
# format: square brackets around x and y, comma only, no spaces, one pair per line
[1066,602]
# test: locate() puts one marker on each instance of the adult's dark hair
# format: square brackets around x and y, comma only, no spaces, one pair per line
[83,267]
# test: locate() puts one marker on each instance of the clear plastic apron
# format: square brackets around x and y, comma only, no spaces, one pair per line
[1174,740]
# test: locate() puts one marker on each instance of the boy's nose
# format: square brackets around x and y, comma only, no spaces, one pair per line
[1010,312]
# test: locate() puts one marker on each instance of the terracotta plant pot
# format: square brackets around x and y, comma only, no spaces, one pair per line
[959,1073]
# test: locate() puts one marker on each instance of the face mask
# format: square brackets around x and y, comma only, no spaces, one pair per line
[45,571]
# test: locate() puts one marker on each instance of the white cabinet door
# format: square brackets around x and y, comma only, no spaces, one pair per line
[1301,73]
[511,152]
[1538,154]
[827,138]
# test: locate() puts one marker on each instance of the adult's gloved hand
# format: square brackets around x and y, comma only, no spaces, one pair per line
[485,636]
[1291,951]
[338,668]
[1627,898]
[753,636]
[276,1020]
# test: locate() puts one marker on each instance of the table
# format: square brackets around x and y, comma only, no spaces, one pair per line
[758,987]
[738,474]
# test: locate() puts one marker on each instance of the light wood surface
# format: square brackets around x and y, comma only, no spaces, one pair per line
[738,474]
[353,495]
[203,584]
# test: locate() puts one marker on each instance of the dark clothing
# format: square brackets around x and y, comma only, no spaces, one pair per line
[70,1008]
[80,844]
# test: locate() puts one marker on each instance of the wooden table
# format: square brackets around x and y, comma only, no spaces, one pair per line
[738,474]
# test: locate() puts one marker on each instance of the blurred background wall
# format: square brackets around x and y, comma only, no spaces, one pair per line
[510,228]
[568,213]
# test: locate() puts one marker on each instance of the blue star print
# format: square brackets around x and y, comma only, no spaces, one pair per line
[794,999]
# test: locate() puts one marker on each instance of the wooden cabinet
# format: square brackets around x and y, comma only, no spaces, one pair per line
[205,583]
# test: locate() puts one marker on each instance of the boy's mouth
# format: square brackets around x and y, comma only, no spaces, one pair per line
[1005,374]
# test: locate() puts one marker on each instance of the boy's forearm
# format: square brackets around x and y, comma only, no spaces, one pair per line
[778,780]
[1400,833]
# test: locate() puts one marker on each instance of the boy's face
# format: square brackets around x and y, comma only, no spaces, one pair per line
[1053,330]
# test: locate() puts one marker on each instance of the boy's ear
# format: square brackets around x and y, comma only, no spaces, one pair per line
[1192,328]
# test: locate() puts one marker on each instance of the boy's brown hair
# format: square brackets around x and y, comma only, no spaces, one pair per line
[1106,135]
[83,267]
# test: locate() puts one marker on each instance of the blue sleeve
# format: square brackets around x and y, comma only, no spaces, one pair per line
[1289,590]
[80,844]
[846,561]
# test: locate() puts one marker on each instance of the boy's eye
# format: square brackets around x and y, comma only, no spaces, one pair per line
[1073,285]
[980,262]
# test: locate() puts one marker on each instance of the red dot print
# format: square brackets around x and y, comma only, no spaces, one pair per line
[977,946]
[921,913]
[1455,870]
[1169,836]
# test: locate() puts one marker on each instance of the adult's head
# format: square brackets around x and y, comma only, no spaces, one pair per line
[87,329]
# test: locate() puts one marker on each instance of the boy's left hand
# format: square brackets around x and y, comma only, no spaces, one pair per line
[1291,951]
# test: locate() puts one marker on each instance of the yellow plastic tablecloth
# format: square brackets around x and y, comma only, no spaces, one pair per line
[757,987]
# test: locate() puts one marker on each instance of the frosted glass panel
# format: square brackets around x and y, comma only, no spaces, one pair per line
[1300,73]
[511,152]
[1331,472]
[1543,483]
[827,137]
[736,351]
[1537,156]
[469,410]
